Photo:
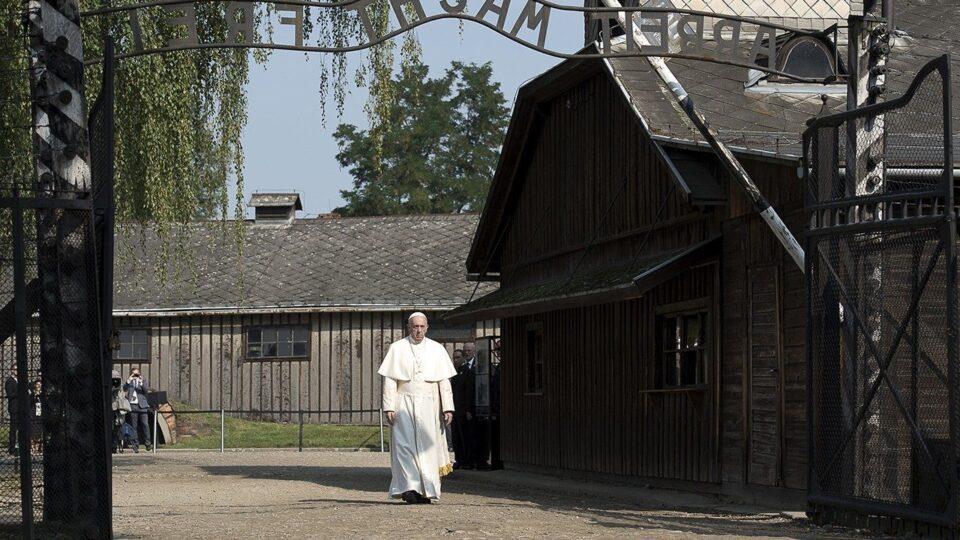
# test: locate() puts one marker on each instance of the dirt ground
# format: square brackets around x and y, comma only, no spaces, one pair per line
[283,494]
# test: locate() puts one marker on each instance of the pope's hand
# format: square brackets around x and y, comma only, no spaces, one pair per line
[448,418]
[391,416]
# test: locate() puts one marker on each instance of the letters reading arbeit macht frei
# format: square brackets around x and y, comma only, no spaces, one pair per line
[669,32]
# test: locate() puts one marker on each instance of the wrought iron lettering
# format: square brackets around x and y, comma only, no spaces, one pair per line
[698,35]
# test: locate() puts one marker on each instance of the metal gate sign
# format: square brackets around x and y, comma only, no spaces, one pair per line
[669,32]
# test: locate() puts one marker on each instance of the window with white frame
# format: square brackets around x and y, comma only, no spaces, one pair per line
[134,345]
[277,343]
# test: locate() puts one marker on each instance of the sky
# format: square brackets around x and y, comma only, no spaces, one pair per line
[285,144]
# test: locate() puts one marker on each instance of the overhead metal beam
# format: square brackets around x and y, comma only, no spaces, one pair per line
[727,159]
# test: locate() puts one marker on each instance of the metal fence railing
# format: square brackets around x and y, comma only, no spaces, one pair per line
[259,429]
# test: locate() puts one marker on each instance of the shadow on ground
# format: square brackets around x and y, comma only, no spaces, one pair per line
[618,510]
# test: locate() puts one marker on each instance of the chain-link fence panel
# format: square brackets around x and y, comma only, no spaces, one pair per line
[54,468]
[882,322]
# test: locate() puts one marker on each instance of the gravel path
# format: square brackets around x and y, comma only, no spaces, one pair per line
[282,494]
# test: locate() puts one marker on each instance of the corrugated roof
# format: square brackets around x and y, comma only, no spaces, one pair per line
[384,262]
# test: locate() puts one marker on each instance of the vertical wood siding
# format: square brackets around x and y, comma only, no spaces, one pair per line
[763,424]
[200,360]
[599,410]
[594,194]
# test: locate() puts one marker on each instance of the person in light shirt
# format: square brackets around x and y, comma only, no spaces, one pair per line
[418,402]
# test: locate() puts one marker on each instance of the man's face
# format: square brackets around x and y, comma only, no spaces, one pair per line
[468,350]
[457,358]
[135,373]
[417,327]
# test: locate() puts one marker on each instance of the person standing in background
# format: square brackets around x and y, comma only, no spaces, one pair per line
[10,388]
[139,417]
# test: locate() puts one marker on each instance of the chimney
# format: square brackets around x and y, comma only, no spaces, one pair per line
[275,208]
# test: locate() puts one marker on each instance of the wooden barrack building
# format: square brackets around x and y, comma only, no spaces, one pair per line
[652,326]
[299,319]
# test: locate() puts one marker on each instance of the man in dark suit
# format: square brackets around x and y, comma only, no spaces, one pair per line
[465,429]
[139,417]
[10,388]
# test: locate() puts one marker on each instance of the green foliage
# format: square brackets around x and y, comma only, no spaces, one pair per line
[438,150]
[16,163]
[180,115]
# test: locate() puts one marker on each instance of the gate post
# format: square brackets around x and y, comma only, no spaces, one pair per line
[953,318]
[23,411]
[76,456]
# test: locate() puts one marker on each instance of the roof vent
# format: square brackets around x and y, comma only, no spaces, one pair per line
[275,207]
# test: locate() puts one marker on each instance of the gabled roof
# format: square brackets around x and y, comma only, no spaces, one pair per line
[771,123]
[397,262]
[260,200]
[753,124]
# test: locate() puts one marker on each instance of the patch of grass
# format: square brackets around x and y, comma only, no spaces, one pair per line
[202,430]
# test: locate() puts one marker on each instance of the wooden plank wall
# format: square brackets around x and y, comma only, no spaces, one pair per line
[602,188]
[200,360]
[597,412]
[764,436]
[594,200]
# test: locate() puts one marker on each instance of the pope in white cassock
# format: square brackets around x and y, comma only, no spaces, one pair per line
[416,399]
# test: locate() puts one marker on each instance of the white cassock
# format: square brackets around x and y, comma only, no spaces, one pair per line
[416,385]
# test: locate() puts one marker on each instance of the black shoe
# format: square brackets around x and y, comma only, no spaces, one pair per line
[149,447]
[421,499]
[410,497]
[136,449]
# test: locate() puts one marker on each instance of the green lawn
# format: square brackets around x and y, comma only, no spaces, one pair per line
[202,430]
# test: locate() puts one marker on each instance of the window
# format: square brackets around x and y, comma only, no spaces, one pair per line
[806,57]
[534,359]
[278,342]
[683,349]
[134,345]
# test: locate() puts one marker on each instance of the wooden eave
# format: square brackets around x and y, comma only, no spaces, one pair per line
[615,285]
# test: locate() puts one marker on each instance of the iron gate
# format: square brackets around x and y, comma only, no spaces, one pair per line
[881,311]
[54,250]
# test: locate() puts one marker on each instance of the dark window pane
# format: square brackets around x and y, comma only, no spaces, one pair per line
[284,334]
[808,59]
[689,368]
[253,336]
[284,348]
[270,350]
[301,333]
[269,335]
[691,331]
[671,327]
[141,351]
[253,351]
[139,337]
[671,370]
[299,349]
[126,350]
